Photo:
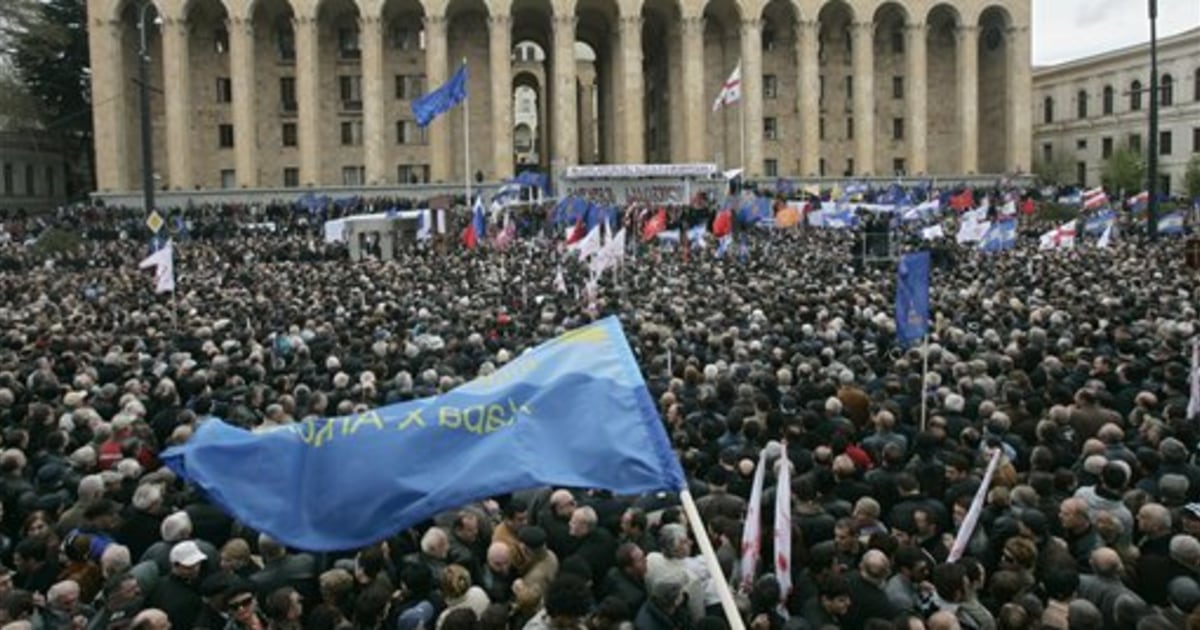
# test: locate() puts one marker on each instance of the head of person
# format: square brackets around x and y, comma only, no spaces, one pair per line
[186,560]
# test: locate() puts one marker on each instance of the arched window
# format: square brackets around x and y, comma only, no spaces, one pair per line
[1048,110]
[1108,100]
[1081,103]
[1135,96]
[1167,90]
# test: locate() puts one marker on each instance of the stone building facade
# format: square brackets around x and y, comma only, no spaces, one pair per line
[1085,109]
[277,93]
[33,172]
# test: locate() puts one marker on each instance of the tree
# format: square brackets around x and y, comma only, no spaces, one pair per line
[1191,178]
[1055,172]
[47,44]
[1124,171]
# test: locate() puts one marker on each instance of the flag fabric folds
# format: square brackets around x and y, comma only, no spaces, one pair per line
[723,223]
[933,232]
[476,230]
[163,262]
[1106,237]
[577,233]
[1061,237]
[1193,408]
[656,224]
[752,530]
[1000,236]
[783,528]
[611,254]
[442,99]
[912,297]
[972,231]
[1094,198]
[731,90]
[1099,222]
[1171,223]
[354,480]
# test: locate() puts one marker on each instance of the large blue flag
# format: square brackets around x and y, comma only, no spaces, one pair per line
[573,411]
[441,100]
[912,297]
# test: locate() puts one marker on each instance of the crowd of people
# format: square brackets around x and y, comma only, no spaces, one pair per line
[1073,365]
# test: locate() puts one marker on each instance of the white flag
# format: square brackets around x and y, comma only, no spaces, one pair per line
[933,232]
[1105,238]
[587,245]
[1193,408]
[612,254]
[752,531]
[783,528]
[731,90]
[1061,237]
[163,262]
[560,283]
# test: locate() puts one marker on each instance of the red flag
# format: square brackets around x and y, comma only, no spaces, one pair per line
[469,238]
[723,224]
[655,225]
[578,233]
[964,200]
[1027,206]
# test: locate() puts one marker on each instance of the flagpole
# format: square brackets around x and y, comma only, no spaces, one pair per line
[742,136]
[924,377]
[710,560]
[467,138]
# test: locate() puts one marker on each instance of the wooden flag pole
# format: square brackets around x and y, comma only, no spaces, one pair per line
[728,606]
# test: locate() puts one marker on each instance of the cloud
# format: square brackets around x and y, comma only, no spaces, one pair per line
[1096,11]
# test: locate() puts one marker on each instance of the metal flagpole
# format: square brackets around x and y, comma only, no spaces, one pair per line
[924,377]
[467,137]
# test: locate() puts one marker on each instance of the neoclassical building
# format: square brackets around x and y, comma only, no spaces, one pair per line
[1087,108]
[280,93]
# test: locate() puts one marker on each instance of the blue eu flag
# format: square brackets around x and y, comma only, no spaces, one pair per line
[573,411]
[441,100]
[912,297]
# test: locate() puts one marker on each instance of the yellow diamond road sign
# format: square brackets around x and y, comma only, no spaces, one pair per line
[154,221]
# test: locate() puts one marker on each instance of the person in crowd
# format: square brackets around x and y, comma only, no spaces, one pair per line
[1074,367]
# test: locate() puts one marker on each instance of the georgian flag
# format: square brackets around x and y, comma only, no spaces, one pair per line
[1062,237]
[731,90]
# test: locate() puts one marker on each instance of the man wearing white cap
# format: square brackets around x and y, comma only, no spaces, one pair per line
[178,594]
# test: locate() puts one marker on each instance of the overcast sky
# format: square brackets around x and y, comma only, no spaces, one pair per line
[1070,29]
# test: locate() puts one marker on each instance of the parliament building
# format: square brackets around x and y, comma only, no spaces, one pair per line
[265,94]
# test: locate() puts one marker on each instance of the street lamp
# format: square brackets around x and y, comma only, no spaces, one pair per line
[144,98]
[1152,162]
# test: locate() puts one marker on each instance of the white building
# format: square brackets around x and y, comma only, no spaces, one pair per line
[1084,109]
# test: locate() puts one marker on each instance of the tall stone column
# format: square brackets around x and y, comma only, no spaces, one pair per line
[808,86]
[308,99]
[436,69]
[968,106]
[587,119]
[916,100]
[691,35]
[566,141]
[672,129]
[177,88]
[613,140]
[500,61]
[1019,101]
[245,123]
[752,98]
[863,34]
[633,122]
[109,122]
[370,28]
